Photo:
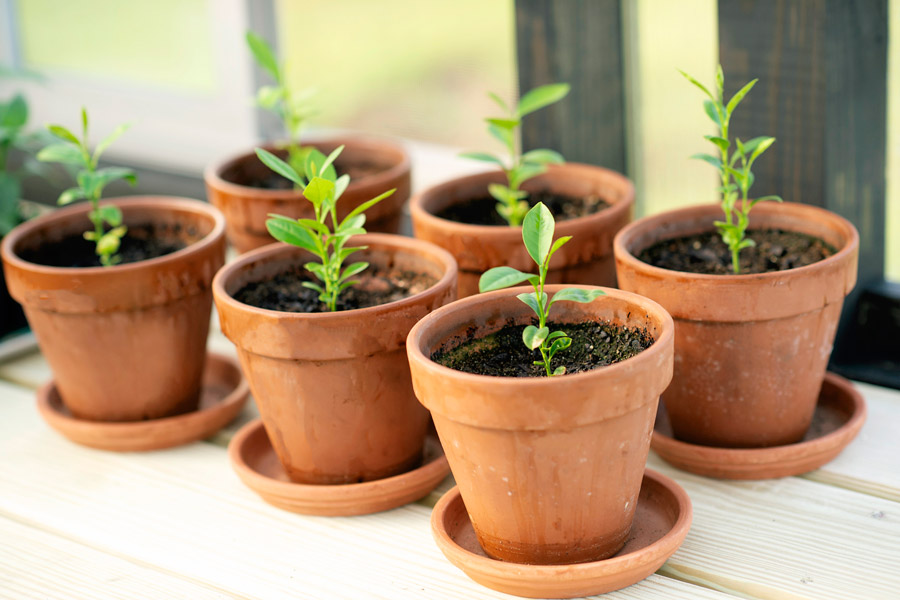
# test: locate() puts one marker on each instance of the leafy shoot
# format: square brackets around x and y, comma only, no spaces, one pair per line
[733,161]
[511,204]
[322,187]
[75,151]
[537,233]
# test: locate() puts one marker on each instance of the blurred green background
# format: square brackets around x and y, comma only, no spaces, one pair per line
[415,69]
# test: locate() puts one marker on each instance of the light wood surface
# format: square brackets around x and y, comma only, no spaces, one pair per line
[83,523]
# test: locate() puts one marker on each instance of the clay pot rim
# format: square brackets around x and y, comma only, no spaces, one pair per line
[665,546]
[395,241]
[212,174]
[417,333]
[147,202]
[610,213]
[626,234]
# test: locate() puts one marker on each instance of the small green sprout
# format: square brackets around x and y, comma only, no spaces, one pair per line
[293,108]
[511,204]
[91,181]
[734,166]
[323,189]
[537,233]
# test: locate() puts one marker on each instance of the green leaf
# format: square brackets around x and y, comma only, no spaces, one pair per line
[63,134]
[717,163]
[329,161]
[530,299]
[16,114]
[500,192]
[84,124]
[540,97]
[110,174]
[576,295]
[353,222]
[750,145]
[507,124]
[111,214]
[698,84]
[352,231]
[499,101]
[483,157]
[279,166]
[62,153]
[559,243]
[313,286]
[560,344]
[263,54]
[542,156]
[537,232]
[761,147]
[70,195]
[736,99]
[504,135]
[560,370]
[286,230]
[313,163]
[721,143]
[755,201]
[523,173]
[720,80]
[501,277]
[102,146]
[369,204]
[712,112]
[340,185]
[110,241]
[355,268]
[314,226]
[534,337]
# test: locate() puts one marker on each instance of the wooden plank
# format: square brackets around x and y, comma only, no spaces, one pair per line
[38,564]
[184,512]
[578,42]
[786,538]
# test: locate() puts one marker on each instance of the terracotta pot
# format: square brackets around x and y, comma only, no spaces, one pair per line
[246,208]
[333,389]
[587,259]
[126,342]
[549,468]
[751,350]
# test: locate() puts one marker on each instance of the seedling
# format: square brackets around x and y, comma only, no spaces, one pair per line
[511,204]
[733,166]
[323,189]
[537,233]
[293,108]
[13,116]
[91,181]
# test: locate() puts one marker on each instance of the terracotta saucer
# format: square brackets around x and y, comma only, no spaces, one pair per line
[223,396]
[661,522]
[255,462]
[839,416]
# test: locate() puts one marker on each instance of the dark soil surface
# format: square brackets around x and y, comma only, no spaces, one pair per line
[706,253]
[141,242]
[285,292]
[273,181]
[483,211]
[594,344]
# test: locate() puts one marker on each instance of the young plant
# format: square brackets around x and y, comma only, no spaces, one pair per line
[13,116]
[733,164]
[537,233]
[323,189]
[91,181]
[511,204]
[292,108]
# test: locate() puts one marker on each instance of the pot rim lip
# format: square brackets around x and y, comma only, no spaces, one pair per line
[151,202]
[418,211]
[212,173]
[440,256]
[664,341]
[650,222]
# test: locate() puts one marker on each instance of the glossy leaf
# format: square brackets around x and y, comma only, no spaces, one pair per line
[499,278]
[712,111]
[543,156]
[736,99]
[263,54]
[279,166]
[63,134]
[698,84]
[483,157]
[576,295]
[717,163]
[70,195]
[531,300]
[537,232]
[340,185]
[369,203]
[559,243]
[354,269]
[560,370]
[16,114]
[313,166]
[540,97]
[292,233]
[111,214]
[534,337]
[62,153]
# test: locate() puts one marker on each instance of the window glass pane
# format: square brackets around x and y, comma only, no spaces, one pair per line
[414,69]
[163,43]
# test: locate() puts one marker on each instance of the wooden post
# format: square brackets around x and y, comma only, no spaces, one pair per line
[578,42]
[822,92]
